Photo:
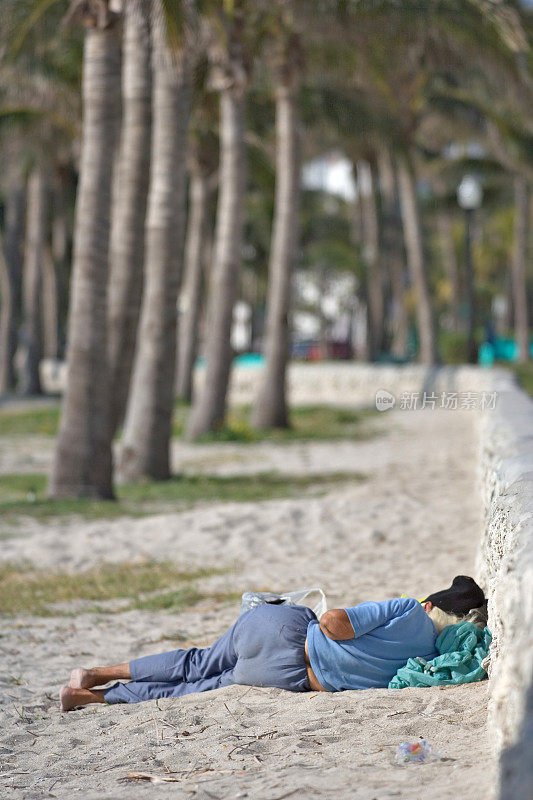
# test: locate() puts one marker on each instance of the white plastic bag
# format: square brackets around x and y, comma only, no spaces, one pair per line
[253,599]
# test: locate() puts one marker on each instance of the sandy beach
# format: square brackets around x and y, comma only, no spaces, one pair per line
[411,525]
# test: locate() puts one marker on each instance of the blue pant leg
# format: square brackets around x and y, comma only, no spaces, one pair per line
[139,691]
[188,665]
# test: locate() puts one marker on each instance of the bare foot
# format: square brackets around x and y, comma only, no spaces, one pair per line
[82,679]
[70,697]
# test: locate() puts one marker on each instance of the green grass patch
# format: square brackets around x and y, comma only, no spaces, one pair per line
[181,598]
[37,421]
[25,590]
[25,494]
[307,423]
[21,486]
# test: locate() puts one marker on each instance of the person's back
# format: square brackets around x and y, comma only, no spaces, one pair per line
[386,635]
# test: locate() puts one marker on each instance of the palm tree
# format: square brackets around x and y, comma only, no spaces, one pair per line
[147,429]
[395,79]
[519,263]
[230,76]
[393,249]
[396,65]
[50,305]
[129,205]
[11,273]
[451,268]
[61,240]
[83,461]
[270,409]
[36,236]
[6,323]
[414,243]
[372,256]
[40,116]
[202,178]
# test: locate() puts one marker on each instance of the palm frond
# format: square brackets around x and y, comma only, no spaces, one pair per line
[39,9]
[507,22]
[10,115]
[172,15]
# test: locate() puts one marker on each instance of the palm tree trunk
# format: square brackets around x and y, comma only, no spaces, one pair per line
[393,252]
[129,206]
[412,226]
[147,428]
[50,307]
[450,266]
[6,316]
[371,258]
[83,461]
[323,321]
[271,406]
[360,336]
[519,262]
[356,222]
[60,247]
[33,279]
[195,262]
[360,324]
[11,277]
[209,412]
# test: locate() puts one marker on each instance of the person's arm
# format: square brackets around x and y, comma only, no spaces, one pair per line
[369,615]
[335,624]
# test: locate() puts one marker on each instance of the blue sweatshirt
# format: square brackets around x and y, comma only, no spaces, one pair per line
[386,634]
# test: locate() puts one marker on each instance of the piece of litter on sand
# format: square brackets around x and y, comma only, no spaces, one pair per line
[421,752]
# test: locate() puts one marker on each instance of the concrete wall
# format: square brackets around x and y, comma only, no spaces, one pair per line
[331,382]
[505,570]
[350,383]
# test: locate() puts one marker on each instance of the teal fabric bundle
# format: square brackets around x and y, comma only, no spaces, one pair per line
[462,648]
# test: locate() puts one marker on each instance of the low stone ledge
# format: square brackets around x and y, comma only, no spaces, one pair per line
[505,570]
[355,384]
[334,382]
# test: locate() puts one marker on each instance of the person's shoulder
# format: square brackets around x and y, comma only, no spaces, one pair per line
[398,605]
[406,604]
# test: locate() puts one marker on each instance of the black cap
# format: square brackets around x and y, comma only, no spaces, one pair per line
[463,595]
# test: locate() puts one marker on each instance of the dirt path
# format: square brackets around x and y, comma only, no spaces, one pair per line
[410,527]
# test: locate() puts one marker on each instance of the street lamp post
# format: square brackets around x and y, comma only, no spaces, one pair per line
[469,197]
